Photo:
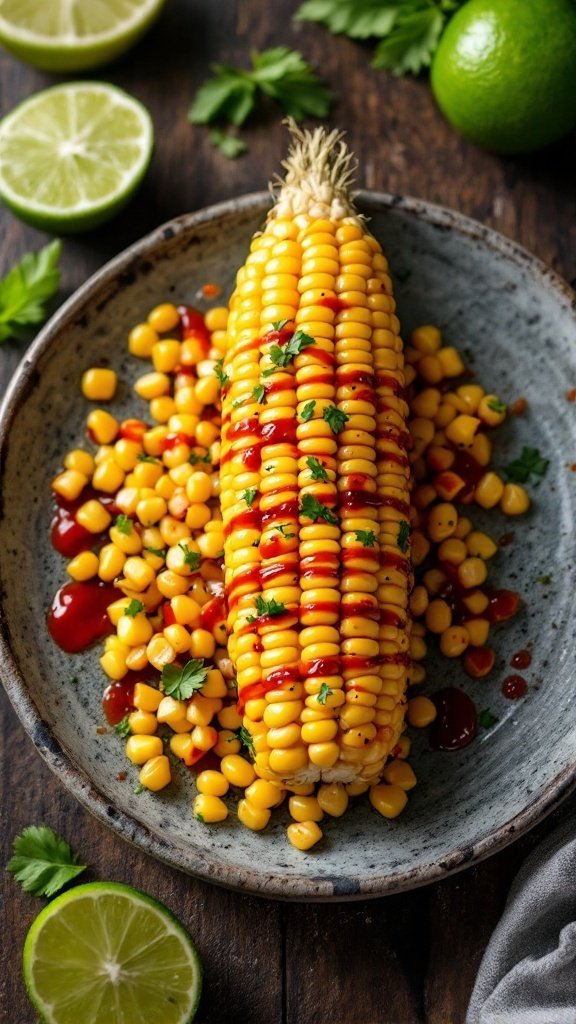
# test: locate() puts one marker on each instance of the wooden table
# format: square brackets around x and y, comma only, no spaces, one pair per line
[407,958]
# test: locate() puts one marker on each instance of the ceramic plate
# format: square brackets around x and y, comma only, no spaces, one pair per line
[516,323]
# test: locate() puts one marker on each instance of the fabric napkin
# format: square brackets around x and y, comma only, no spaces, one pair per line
[528,973]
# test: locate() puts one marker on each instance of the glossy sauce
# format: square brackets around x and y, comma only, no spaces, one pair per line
[213,613]
[172,440]
[514,687]
[503,605]
[333,302]
[118,699]
[67,536]
[470,471]
[455,725]
[192,325]
[78,617]
[522,659]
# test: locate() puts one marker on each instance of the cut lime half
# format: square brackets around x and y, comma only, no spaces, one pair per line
[73,35]
[105,953]
[71,156]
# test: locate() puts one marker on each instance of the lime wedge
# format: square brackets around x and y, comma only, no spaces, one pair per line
[73,35]
[71,156]
[105,953]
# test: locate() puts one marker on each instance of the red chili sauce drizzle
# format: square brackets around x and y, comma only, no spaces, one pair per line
[118,698]
[503,605]
[514,687]
[333,302]
[172,440]
[78,616]
[67,536]
[455,725]
[192,325]
[522,659]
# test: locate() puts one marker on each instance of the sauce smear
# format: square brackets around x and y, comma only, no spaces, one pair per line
[522,659]
[514,687]
[456,725]
[78,615]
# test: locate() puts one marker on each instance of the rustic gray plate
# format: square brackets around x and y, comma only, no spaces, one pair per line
[516,322]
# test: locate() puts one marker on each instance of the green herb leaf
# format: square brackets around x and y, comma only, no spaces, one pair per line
[133,608]
[530,463]
[181,683]
[270,608]
[308,411]
[366,538]
[282,355]
[250,496]
[138,788]
[123,728]
[486,719]
[229,145]
[313,509]
[194,458]
[259,394]
[412,41]
[219,373]
[191,558]
[147,458]
[246,740]
[228,97]
[123,524]
[323,693]
[159,552]
[26,289]
[279,325]
[335,418]
[545,580]
[317,469]
[403,536]
[200,817]
[496,404]
[73,680]
[282,529]
[357,19]
[43,862]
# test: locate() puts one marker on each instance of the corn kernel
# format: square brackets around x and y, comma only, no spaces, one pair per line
[134,629]
[141,340]
[164,317]
[305,808]
[83,567]
[454,641]
[426,339]
[477,630]
[252,816]
[492,411]
[155,773]
[93,516]
[152,385]
[143,723]
[304,834]
[146,698]
[438,616]
[472,572]
[102,427]
[399,773]
[515,500]
[451,361]
[480,545]
[204,737]
[140,749]
[166,355]
[388,800]
[80,461]
[421,711]
[99,384]
[160,652]
[237,770]
[212,783]
[111,562]
[69,484]
[202,644]
[452,550]
[442,521]
[171,710]
[264,794]
[333,799]
[489,490]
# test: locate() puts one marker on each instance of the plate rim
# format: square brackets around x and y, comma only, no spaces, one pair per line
[208,867]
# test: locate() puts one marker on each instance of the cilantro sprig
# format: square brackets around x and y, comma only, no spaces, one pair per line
[246,740]
[270,608]
[323,693]
[409,30]
[133,608]
[42,861]
[233,94]
[335,418]
[313,509]
[219,373]
[486,719]
[282,355]
[27,288]
[123,524]
[259,394]
[366,537]
[308,410]
[282,529]
[191,558]
[250,496]
[122,728]
[317,469]
[530,463]
[181,683]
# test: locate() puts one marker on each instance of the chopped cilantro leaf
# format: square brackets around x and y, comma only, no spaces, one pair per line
[496,404]
[308,411]
[313,509]
[138,788]
[181,683]
[246,740]
[335,418]
[259,394]
[159,552]
[123,728]
[270,608]
[200,817]
[317,469]
[123,524]
[486,719]
[323,693]
[73,680]
[194,458]
[133,608]
[545,580]
[191,558]
[282,529]
[250,496]
[530,463]
[366,538]
[403,536]
[282,355]
[279,325]
[219,373]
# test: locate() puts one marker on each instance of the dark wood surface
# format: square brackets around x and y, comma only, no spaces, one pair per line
[408,958]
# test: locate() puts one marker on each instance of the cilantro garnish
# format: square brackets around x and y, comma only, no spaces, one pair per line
[279,325]
[545,580]
[317,469]
[123,524]
[313,509]
[496,404]
[259,394]
[138,788]
[42,861]
[530,463]
[335,418]
[191,558]
[123,728]
[181,683]
[366,538]
[246,740]
[323,693]
[282,529]
[229,145]
[133,608]
[250,496]
[308,411]
[403,536]
[194,458]
[282,355]
[147,458]
[159,552]
[219,373]
[486,719]
[26,289]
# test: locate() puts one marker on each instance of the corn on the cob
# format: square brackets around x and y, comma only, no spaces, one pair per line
[315,483]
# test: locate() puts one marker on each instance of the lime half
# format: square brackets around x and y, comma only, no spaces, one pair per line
[105,953]
[71,156]
[73,35]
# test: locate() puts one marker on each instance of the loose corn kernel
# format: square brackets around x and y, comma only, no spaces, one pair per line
[515,500]
[464,527]
[80,461]
[99,384]
[160,652]
[450,361]
[399,773]
[426,339]
[421,711]
[480,545]
[452,550]
[151,510]
[130,543]
[253,816]
[197,516]
[134,629]
[152,385]
[202,644]
[146,698]
[155,774]
[492,410]
[305,808]
[164,317]
[204,737]
[138,573]
[388,800]
[212,783]
[215,686]
[430,369]
[476,601]
[216,318]
[143,723]
[262,793]
[69,484]
[181,745]
[471,395]
[201,710]
[228,717]
[209,809]
[333,799]
[477,630]
[228,743]
[472,572]
[489,490]
[171,710]
[136,659]
[178,637]
[237,770]
[438,616]
[102,427]
[461,430]
[186,611]
[111,562]
[442,521]
[140,749]
[83,567]
[454,641]
[166,355]
[141,340]
[357,788]
[304,834]
[418,601]
[93,516]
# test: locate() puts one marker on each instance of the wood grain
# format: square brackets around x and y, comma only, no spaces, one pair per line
[409,958]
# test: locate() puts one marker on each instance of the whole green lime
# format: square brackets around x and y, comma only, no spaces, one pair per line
[504,73]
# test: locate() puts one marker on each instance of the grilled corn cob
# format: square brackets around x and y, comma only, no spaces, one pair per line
[315,483]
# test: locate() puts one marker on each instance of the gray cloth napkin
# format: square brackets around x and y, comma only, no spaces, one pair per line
[528,973]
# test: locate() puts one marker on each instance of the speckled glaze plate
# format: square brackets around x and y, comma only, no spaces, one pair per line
[517,325]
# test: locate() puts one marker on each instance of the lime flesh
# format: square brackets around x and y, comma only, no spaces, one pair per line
[71,156]
[105,953]
[504,73]
[73,35]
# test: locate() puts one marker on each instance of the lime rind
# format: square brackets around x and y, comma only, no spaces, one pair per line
[148,971]
[72,156]
[69,50]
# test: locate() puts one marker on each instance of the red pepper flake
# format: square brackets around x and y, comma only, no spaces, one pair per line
[211,290]
[571,395]
[519,407]
[573,467]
